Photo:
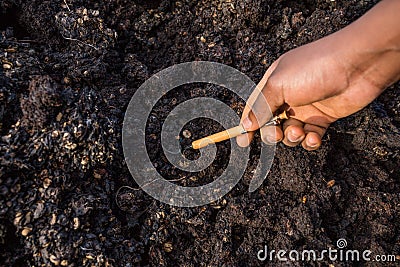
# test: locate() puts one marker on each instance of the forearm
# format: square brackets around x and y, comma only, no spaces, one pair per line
[372,44]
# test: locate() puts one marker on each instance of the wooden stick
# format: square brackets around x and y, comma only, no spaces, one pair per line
[233,132]
[218,137]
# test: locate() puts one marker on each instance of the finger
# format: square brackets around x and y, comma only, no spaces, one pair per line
[271,134]
[313,138]
[244,140]
[312,141]
[294,133]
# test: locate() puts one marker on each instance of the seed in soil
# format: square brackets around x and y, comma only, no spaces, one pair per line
[54,260]
[187,134]
[168,247]
[330,183]
[6,66]
[76,223]
[26,231]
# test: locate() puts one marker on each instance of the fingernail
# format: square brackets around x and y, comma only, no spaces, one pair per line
[312,145]
[272,139]
[293,137]
[311,142]
[247,123]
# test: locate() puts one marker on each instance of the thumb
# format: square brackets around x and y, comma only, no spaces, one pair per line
[262,108]
[265,100]
[252,119]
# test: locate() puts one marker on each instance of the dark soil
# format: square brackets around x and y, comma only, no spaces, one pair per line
[69,69]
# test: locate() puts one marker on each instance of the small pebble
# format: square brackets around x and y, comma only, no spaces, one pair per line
[54,260]
[6,66]
[152,40]
[18,218]
[96,175]
[85,160]
[11,50]
[264,61]
[76,223]
[26,231]
[53,219]
[67,80]
[168,247]
[59,116]
[70,146]
[55,134]
[90,256]
[46,183]
[187,133]
[330,183]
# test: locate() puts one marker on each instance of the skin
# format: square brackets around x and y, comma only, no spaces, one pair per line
[326,80]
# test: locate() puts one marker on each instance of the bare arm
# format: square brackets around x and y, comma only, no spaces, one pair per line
[328,79]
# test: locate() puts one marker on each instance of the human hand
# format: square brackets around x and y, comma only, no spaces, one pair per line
[322,82]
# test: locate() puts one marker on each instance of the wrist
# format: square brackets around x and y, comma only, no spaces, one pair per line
[370,46]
